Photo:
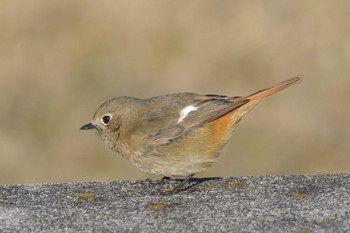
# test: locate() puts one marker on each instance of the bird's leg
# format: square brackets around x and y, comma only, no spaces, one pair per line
[179,186]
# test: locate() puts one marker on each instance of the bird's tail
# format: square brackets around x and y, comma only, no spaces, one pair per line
[257,96]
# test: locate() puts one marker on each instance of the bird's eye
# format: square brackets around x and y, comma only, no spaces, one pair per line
[106,119]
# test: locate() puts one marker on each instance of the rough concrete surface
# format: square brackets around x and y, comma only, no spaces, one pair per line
[300,203]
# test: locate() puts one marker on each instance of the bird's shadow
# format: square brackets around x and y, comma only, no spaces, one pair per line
[196,181]
[193,182]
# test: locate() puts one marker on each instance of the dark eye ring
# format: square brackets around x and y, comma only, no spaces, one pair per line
[106,119]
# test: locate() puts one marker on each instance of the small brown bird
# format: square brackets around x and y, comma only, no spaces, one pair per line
[175,135]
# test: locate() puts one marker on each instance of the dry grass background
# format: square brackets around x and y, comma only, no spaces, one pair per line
[59,60]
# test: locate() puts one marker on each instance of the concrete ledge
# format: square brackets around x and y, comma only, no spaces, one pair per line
[303,203]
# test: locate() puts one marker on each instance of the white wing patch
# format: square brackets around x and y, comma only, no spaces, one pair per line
[185,111]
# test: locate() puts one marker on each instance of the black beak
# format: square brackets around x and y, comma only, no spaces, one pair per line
[87,126]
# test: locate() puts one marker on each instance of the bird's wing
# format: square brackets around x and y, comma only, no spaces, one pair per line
[174,120]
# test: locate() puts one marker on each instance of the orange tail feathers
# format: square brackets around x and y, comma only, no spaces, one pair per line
[257,96]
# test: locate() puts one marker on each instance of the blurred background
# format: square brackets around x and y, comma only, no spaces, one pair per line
[59,60]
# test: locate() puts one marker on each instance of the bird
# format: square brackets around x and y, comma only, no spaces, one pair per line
[175,135]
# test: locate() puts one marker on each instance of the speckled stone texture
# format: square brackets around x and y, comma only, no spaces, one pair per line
[301,203]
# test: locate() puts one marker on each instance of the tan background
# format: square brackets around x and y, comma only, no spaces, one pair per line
[59,60]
